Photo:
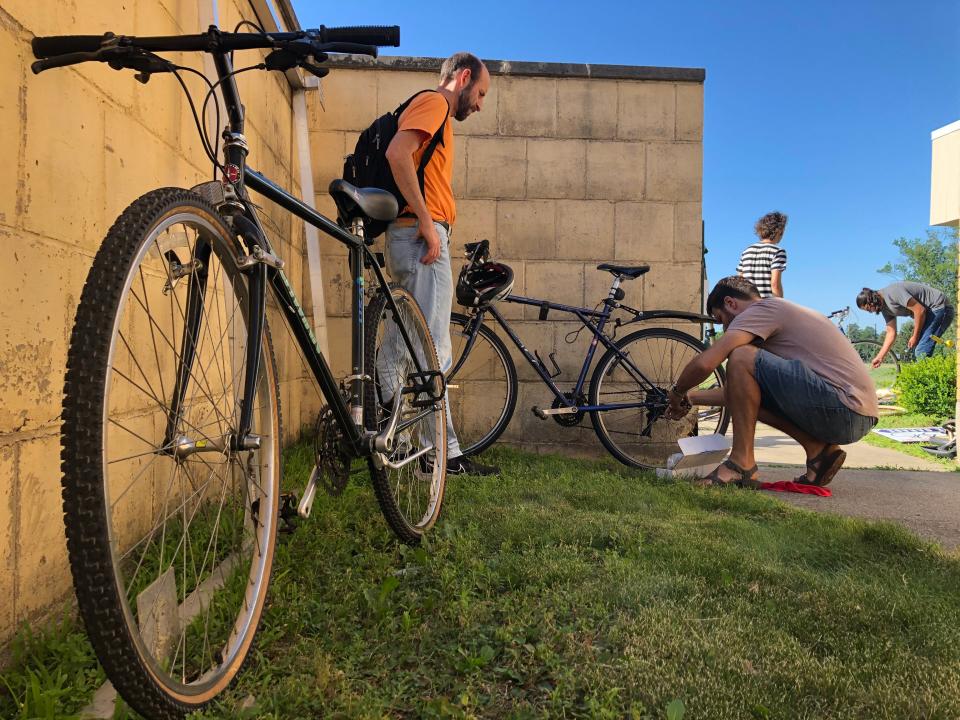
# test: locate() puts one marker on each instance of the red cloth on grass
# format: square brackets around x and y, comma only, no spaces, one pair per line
[790,486]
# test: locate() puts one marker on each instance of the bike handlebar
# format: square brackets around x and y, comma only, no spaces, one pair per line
[61,50]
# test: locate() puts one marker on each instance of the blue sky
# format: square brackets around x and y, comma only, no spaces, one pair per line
[822,110]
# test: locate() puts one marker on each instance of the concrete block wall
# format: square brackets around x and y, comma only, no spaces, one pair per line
[566,167]
[79,145]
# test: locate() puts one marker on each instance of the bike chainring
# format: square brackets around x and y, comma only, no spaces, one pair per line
[332,457]
[572,419]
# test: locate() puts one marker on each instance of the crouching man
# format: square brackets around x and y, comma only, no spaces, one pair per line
[788,367]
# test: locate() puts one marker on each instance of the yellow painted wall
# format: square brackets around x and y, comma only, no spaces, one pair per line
[560,174]
[79,144]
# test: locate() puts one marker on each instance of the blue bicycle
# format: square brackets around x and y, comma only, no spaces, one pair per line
[626,397]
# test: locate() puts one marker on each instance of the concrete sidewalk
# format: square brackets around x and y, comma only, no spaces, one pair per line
[774,447]
[922,495]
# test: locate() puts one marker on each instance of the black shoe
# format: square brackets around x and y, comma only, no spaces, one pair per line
[462,465]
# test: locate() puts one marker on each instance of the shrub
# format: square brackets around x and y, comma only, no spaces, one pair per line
[929,386]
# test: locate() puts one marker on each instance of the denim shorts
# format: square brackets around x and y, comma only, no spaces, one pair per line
[791,390]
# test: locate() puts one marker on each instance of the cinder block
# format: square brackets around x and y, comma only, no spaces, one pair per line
[9,510]
[135,161]
[485,121]
[496,167]
[42,18]
[158,105]
[37,317]
[560,282]
[327,150]
[338,331]
[394,88]
[644,232]
[647,111]
[585,230]
[615,170]
[527,106]
[555,168]
[690,112]
[66,206]
[476,220]
[676,286]
[526,229]
[674,171]
[338,282]
[460,168]
[587,109]
[13,122]
[41,544]
[539,336]
[349,101]
[688,239]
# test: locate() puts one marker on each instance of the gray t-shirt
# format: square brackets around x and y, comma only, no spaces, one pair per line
[794,332]
[896,296]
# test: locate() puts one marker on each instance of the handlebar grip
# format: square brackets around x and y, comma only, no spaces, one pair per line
[61,61]
[380,35]
[44,47]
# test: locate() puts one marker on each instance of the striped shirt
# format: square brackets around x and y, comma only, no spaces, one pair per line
[756,263]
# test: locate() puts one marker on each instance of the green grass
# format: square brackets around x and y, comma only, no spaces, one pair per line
[914,449]
[583,589]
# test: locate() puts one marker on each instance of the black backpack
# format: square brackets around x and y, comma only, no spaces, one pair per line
[368,166]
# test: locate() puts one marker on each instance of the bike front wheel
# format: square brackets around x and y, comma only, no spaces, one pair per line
[410,484]
[885,375]
[481,386]
[634,430]
[171,526]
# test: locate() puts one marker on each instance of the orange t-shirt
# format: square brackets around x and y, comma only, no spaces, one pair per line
[425,113]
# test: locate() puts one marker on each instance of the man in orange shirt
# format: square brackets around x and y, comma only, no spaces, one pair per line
[418,242]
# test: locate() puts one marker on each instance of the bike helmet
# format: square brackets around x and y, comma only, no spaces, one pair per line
[484,284]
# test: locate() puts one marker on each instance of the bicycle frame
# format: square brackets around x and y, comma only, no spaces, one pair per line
[264,270]
[595,321]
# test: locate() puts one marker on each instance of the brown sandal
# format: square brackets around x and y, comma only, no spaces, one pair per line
[745,481]
[825,466]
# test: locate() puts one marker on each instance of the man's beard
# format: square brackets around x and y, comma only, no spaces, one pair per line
[463,108]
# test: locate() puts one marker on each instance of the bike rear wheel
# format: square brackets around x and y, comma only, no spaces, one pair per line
[640,436]
[410,488]
[482,389]
[170,530]
[885,375]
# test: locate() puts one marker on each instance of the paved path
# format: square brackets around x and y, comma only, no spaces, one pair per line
[923,496]
[774,447]
[926,502]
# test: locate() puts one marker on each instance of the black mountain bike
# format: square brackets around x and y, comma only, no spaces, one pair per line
[171,439]
[627,395]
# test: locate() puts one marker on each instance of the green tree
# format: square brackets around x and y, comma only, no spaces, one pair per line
[931,261]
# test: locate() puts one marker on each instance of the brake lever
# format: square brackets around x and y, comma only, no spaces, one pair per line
[315,69]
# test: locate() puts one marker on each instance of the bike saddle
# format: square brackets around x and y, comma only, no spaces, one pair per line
[373,203]
[628,271]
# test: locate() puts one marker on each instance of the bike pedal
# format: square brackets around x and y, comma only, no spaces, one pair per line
[287,513]
[538,411]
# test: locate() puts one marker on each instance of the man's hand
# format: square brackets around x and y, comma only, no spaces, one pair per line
[428,232]
[876,361]
[911,342]
[679,406]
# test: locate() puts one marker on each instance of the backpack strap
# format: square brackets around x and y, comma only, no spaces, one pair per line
[434,141]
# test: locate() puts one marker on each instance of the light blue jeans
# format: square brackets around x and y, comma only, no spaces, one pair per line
[432,288]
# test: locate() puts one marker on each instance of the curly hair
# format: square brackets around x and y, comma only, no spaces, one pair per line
[771,226]
[733,286]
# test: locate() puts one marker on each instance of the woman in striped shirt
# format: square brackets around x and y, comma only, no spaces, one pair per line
[763,262]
